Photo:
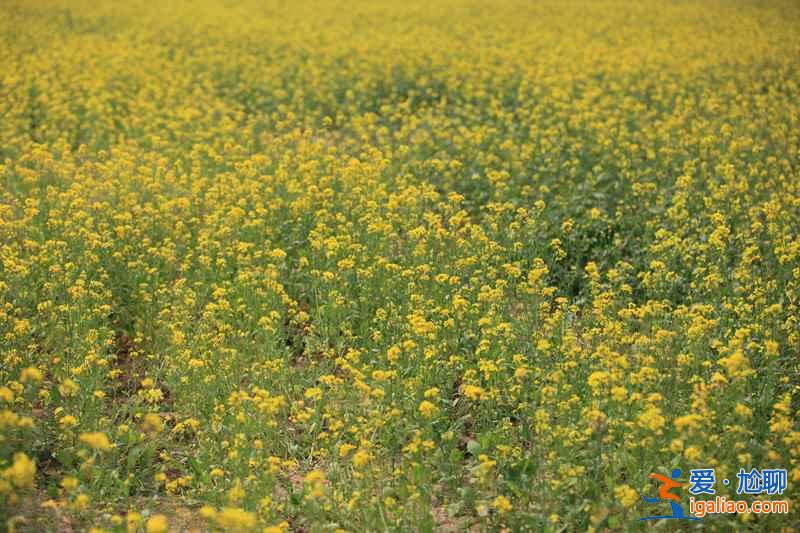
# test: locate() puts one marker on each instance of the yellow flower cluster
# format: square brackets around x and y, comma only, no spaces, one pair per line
[378,265]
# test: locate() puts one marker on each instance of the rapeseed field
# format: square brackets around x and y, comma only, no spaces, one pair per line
[435,265]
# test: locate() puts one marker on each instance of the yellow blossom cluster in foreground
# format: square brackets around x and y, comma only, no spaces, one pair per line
[377,265]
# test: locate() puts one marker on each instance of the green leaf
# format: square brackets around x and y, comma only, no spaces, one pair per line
[473,447]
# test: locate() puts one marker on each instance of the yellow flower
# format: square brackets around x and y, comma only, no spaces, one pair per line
[82,501]
[236,493]
[626,495]
[486,464]
[432,392]
[314,393]
[619,393]
[152,423]
[736,364]
[315,482]
[692,453]
[691,421]
[743,411]
[315,476]
[502,504]
[67,421]
[30,373]
[345,449]
[234,519]
[21,472]
[474,392]
[598,378]
[393,353]
[652,419]
[69,483]
[68,387]
[427,409]
[132,521]
[157,524]
[361,458]
[96,440]
[6,394]
[280,528]
[208,512]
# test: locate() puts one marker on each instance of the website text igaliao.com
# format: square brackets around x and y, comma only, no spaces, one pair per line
[721,504]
